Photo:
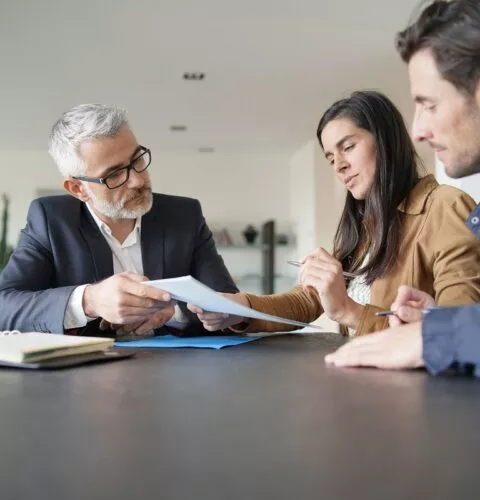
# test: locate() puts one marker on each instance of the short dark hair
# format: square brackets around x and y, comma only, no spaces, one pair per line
[375,224]
[451,30]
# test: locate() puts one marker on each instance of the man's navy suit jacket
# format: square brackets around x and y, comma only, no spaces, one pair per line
[61,247]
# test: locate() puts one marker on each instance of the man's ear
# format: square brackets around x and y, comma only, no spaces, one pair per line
[76,188]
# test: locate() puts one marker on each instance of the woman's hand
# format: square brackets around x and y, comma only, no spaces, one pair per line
[323,272]
[213,321]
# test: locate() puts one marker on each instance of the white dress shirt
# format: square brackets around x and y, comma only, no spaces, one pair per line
[127,257]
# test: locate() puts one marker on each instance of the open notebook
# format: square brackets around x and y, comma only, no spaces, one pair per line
[31,347]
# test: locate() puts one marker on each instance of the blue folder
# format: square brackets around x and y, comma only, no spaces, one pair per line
[169,341]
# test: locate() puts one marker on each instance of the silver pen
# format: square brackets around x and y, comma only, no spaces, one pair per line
[392,313]
[297,263]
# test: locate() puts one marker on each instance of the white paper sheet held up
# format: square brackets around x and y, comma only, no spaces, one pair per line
[188,289]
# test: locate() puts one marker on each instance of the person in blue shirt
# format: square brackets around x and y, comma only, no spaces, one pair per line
[442,50]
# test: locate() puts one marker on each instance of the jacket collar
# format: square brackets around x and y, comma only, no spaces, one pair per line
[414,204]
[152,244]
[100,252]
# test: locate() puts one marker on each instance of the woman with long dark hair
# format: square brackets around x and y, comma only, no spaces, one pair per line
[397,228]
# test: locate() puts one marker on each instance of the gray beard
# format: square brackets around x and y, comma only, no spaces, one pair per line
[118,210]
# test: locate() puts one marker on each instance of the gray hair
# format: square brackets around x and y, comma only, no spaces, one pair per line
[79,124]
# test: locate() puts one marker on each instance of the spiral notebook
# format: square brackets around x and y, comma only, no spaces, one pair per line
[33,347]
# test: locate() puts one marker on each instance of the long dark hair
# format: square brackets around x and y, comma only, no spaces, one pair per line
[375,224]
[451,30]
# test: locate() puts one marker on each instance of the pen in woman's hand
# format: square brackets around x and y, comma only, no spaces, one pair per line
[298,263]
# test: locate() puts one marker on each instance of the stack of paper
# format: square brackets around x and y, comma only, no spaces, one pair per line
[32,347]
[188,289]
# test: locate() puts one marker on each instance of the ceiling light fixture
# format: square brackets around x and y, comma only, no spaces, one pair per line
[194,76]
[178,128]
[206,149]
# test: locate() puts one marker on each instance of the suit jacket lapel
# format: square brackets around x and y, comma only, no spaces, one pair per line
[152,241]
[99,250]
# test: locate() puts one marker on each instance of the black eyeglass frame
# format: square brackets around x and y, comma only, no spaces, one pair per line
[128,168]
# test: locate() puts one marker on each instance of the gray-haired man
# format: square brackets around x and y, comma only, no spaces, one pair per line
[82,257]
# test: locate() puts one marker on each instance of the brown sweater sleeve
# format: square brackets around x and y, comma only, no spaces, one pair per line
[297,304]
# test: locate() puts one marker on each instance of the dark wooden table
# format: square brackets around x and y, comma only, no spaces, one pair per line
[266,420]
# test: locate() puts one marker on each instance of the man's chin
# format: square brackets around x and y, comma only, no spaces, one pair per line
[459,171]
[452,171]
[140,202]
[134,213]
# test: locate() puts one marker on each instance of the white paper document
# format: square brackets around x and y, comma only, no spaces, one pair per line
[188,289]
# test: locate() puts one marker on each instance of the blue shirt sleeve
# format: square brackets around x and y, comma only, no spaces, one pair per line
[452,335]
[473,221]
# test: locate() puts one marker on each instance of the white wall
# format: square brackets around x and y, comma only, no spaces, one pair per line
[303,196]
[239,189]
[234,189]
[316,199]
[330,201]
[470,185]
[21,174]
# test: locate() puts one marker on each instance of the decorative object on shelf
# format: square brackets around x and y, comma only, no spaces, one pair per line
[5,249]
[282,239]
[250,234]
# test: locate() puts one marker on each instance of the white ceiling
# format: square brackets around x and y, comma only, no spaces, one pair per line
[272,66]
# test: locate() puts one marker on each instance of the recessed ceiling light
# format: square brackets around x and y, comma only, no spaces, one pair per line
[194,75]
[178,128]
[206,149]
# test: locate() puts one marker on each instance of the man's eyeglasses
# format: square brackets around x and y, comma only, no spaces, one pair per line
[120,176]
